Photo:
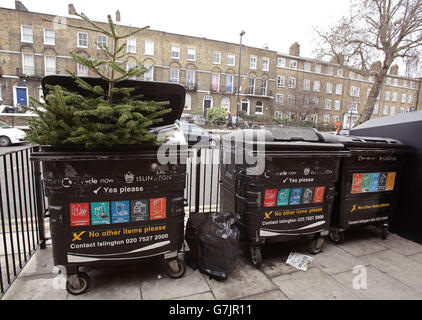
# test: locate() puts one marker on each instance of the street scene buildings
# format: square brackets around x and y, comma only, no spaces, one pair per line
[272,84]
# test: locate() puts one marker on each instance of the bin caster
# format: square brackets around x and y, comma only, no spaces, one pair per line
[384,232]
[77,283]
[316,245]
[176,268]
[337,236]
[256,256]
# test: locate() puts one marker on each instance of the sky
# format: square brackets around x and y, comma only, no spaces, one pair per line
[275,23]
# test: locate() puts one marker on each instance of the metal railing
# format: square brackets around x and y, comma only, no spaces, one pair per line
[21,199]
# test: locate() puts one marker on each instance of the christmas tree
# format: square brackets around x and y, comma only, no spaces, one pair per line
[98,117]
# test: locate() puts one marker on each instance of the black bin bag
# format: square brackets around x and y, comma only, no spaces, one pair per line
[214,242]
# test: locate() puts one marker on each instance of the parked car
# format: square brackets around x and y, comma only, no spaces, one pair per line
[9,135]
[197,135]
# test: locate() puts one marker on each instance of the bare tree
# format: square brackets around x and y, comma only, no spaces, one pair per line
[380,31]
[301,104]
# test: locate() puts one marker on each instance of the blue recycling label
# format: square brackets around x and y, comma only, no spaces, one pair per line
[373,184]
[295,196]
[120,212]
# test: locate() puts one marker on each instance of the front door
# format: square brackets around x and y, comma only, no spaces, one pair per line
[21,97]
[207,105]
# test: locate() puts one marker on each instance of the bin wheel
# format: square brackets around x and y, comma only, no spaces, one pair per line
[176,273]
[384,232]
[337,236]
[256,256]
[84,284]
[316,245]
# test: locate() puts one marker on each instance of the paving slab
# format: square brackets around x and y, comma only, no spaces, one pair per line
[273,295]
[397,266]
[361,242]
[333,259]
[162,287]
[245,280]
[401,245]
[36,288]
[199,296]
[313,284]
[40,263]
[416,257]
[379,286]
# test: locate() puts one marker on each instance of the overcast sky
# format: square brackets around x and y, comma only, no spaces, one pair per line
[277,23]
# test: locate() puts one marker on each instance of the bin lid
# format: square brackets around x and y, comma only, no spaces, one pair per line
[369,142]
[151,90]
[286,138]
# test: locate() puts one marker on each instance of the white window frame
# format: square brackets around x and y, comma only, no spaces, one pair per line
[53,42]
[149,48]
[49,72]
[216,75]
[403,98]
[265,64]
[387,96]
[264,87]
[293,64]
[337,105]
[175,52]
[410,99]
[262,106]
[328,104]
[354,91]
[28,70]
[395,97]
[191,54]
[279,99]
[281,81]
[78,39]
[100,44]
[339,88]
[231,56]
[292,82]
[392,110]
[230,89]
[375,110]
[253,62]
[307,66]
[188,106]
[32,34]
[172,78]
[216,54]
[15,94]
[149,75]
[190,82]
[326,118]
[317,68]
[385,111]
[314,118]
[131,45]
[79,68]
[291,100]
[329,87]
[307,84]
[281,62]
[316,87]
[224,104]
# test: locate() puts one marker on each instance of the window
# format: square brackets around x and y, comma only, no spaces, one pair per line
[281,62]
[353,107]
[229,83]
[82,70]
[259,109]
[129,66]
[191,54]
[27,34]
[279,99]
[328,103]
[307,66]
[50,65]
[174,75]
[330,71]
[281,81]
[188,102]
[225,103]
[252,63]
[149,47]
[385,110]
[403,98]
[291,100]
[28,64]
[368,92]
[340,72]
[376,109]
[1,94]
[401,109]
[231,58]
[395,96]
[387,96]
[318,68]
[190,78]
[251,85]
[49,37]
[314,118]
[215,82]
[354,91]
[175,52]
[326,118]
[404,83]
[412,85]
[337,105]
[360,77]
[149,75]
[245,105]
[292,82]
[278,114]
[131,45]
[410,98]
[351,75]
[265,64]
[216,57]
[315,101]
[264,85]
[393,110]
[101,41]
[306,84]
[82,40]
[317,85]
[293,64]
[336,119]
[388,80]
[396,82]
[329,87]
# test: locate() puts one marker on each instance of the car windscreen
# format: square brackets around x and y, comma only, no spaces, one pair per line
[4,125]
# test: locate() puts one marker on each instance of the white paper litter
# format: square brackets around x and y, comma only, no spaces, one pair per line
[299,261]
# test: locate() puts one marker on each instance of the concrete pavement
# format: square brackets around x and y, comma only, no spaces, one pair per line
[392,268]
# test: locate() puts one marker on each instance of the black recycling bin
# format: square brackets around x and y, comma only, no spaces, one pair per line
[368,187]
[113,206]
[288,199]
